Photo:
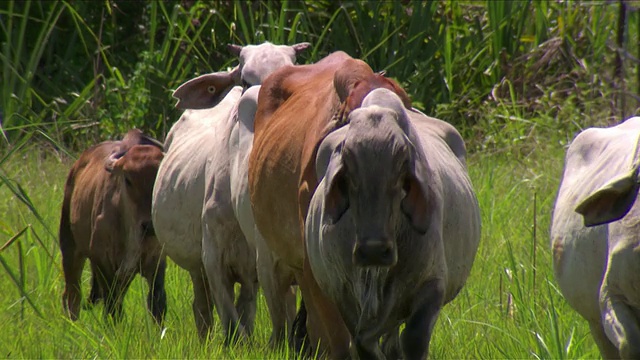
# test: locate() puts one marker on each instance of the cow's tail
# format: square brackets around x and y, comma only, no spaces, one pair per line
[298,337]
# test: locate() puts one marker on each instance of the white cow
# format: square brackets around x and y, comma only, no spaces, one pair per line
[595,256]
[193,212]
[394,225]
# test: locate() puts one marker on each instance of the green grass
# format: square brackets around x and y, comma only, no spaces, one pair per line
[510,307]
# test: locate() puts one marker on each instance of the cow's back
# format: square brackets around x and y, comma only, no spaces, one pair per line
[296,104]
[89,187]
[595,156]
[442,129]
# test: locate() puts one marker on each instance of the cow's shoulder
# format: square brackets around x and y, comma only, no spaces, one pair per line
[286,81]
[195,123]
[428,125]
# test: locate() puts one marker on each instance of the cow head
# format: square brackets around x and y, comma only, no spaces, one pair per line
[376,174]
[134,166]
[256,63]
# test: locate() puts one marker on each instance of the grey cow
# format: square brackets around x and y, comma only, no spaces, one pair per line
[193,207]
[394,226]
[595,256]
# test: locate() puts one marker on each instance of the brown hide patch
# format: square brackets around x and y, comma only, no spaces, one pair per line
[352,88]
[293,116]
[363,87]
[278,87]
[346,77]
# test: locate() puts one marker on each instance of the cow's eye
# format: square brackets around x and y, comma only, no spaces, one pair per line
[211,89]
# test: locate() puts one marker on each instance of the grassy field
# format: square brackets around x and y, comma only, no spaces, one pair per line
[510,308]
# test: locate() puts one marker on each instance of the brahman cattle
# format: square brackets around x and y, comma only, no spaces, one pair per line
[298,107]
[595,235]
[394,225]
[193,206]
[106,217]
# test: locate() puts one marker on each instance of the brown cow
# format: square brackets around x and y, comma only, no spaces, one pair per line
[298,106]
[106,217]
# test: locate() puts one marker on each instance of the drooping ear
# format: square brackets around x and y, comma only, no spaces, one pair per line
[204,91]
[300,47]
[113,163]
[345,78]
[336,201]
[234,49]
[148,140]
[612,201]
[414,204]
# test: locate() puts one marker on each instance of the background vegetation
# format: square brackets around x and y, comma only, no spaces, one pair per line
[517,78]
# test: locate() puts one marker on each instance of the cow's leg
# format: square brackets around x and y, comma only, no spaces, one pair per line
[298,337]
[104,280]
[417,332]
[324,319]
[72,264]
[117,285]
[367,349]
[276,281]
[222,287]
[391,344]
[621,325]
[606,347]
[246,304]
[153,272]
[202,302]
[220,283]
[96,293]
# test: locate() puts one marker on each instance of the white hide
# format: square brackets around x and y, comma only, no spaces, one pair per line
[597,267]
[274,277]
[199,209]
[375,301]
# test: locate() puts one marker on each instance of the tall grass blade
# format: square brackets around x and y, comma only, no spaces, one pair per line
[17,282]
[14,238]
[22,195]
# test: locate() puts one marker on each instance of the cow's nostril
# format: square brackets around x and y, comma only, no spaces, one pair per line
[374,253]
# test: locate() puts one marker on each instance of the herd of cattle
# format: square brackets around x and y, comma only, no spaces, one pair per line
[324,177]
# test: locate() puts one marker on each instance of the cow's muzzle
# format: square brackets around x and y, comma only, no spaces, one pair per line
[375,252]
[147,228]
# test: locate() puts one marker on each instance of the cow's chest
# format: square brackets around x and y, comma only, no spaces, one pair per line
[374,301]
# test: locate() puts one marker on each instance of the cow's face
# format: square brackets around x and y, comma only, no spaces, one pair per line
[259,61]
[374,178]
[135,171]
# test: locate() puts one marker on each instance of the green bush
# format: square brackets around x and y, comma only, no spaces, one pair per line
[81,71]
